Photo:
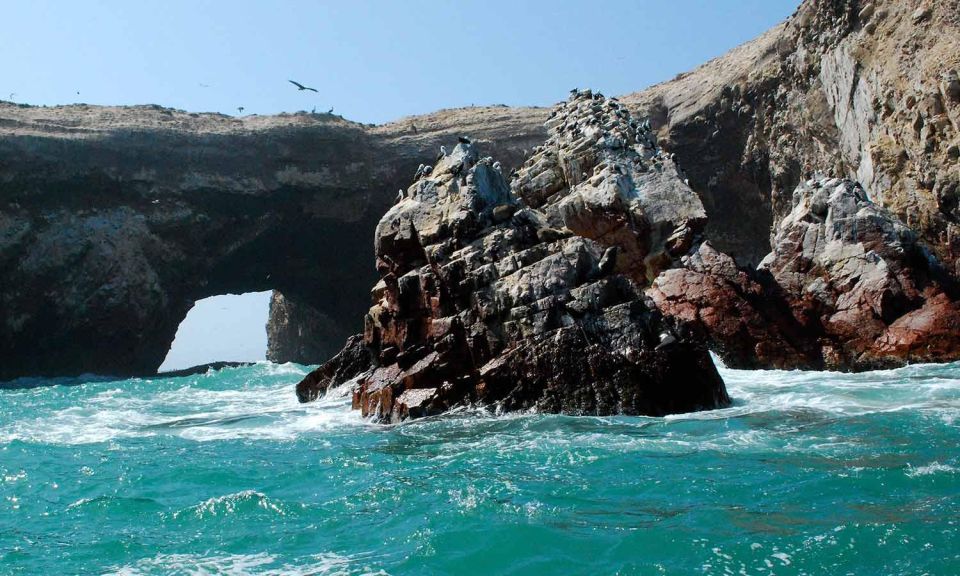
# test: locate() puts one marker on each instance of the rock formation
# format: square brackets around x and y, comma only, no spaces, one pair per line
[847,286]
[528,296]
[866,90]
[113,221]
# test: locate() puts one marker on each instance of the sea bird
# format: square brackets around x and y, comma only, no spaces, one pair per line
[443,152]
[240,109]
[666,339]
[301,87]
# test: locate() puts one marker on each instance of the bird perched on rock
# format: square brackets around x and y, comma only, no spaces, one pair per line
[608,262]
[463,140]
[443,152]
[427,170]
[496,166]
[400,195]
[301,87]
[666,340]
[419,171]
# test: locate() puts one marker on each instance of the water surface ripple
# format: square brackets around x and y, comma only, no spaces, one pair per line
[225,473]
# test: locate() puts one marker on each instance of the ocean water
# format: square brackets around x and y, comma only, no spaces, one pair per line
[224,473]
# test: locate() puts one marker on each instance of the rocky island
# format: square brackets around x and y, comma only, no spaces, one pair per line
[793,204]
[528,295]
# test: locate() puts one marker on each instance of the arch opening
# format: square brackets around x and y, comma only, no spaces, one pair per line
[227,327]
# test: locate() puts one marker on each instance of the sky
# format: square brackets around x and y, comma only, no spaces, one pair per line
[371,61]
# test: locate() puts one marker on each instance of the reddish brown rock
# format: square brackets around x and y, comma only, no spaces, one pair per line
[847,287]
[498,300]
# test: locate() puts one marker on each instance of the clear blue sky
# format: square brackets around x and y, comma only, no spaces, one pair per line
[372,61]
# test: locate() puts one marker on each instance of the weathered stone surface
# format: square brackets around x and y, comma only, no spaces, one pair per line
[847,286]
[525,312]
[210,204]
[352,360]
[742,315]
[297,332]
[113,221]
[862,90]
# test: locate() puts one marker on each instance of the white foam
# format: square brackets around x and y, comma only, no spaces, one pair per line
[259,403]
[257,407]
[932,468]
[263,564]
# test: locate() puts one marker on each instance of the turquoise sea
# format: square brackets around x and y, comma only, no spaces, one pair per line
[224,473]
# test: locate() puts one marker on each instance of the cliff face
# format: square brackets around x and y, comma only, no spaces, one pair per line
[866,90]
[115,220]
[847,286]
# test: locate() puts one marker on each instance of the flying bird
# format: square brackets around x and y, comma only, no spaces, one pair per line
[301,87]
[240,109]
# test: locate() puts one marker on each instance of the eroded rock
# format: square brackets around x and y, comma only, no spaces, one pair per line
[848,286]
[542,309]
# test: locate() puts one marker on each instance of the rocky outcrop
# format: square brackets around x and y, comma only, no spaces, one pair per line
[865,89]
[298,332]
[529,296]
[847,286]
[114,221]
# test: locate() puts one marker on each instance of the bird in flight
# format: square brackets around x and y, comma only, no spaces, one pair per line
[301,87]
[240,109]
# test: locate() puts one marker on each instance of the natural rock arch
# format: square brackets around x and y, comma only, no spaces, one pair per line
[116,220]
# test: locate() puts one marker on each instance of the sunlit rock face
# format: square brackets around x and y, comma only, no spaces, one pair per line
[847,286]
[868,91]
[528,295]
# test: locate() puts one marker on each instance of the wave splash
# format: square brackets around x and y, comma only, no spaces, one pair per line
[263,564]
[258,403]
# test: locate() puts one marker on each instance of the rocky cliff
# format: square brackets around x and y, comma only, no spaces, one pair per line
[847,286]
[529,294]
[866,90]
[114,220]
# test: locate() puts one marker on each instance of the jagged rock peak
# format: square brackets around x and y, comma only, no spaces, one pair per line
[601,175]
[487,297]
